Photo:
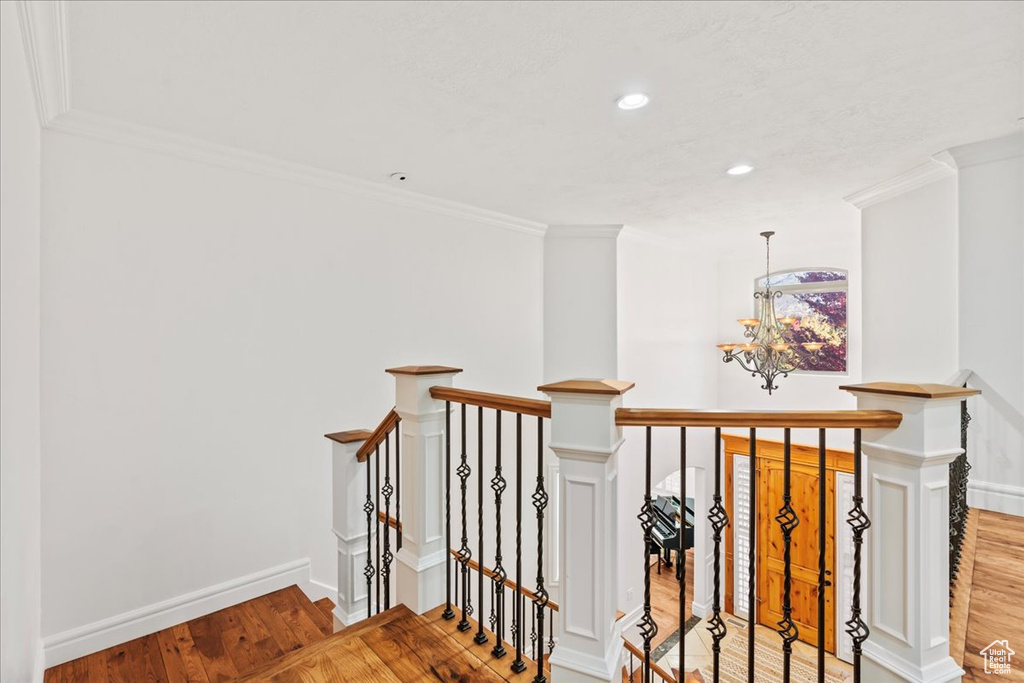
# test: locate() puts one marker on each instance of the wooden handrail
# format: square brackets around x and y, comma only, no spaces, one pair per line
[512,404]
[474,565]
[654,667]
[816,419]
[392,522]
[377,437]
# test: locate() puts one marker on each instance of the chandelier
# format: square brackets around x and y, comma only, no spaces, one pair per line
[771,348]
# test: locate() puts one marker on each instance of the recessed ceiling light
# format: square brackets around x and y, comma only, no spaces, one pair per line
[740,169]
[633,101]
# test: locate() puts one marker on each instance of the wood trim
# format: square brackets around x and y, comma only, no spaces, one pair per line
[817,419]
[392,522]
[377,437]
[475,566]
[912,390]
[512,404]
[654,667]
[351,436]
[607,387]
[423,370]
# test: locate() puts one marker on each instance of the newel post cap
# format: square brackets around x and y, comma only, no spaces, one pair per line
[412,387]
[583,417]
[922,391]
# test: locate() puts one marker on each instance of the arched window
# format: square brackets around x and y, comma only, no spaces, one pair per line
[817,298]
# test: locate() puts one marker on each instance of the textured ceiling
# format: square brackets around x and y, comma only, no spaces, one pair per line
[510,106]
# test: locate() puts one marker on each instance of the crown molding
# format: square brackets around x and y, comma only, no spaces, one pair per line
[106,129]
[44,31]
[583,231]
[984,152]
[920,176]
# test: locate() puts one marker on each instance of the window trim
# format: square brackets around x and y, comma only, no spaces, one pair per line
[813,288]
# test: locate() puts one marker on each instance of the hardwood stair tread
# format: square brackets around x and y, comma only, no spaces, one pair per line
[501,665]
[395,645]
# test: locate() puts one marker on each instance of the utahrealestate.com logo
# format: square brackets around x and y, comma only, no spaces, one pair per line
[997,657]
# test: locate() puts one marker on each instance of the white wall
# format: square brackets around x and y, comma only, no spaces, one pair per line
[19,361]
[909,256]
[737,390]
[203,328]
[666,298]
[580,317]
[991,216]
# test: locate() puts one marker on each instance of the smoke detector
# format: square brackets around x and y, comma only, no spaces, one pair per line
[398,176]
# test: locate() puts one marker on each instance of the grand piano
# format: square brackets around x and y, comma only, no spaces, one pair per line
[669,518]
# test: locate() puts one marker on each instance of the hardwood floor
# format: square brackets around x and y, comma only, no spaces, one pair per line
[997,595]
[217,647]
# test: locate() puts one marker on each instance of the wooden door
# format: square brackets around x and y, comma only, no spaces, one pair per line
[803,549]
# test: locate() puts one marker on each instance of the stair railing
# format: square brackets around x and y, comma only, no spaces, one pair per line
[786,517]
[505,595]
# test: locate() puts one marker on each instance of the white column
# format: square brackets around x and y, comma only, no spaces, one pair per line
[420,567]
[349,523]
[586,440]
[906,490]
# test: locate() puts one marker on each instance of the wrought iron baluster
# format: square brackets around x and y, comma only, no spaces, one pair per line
[371,512]
[498,485]
[752,559]
[533,634]
[540,504]
[551,631]
[518,665]
[823,572]
[480,638]
[376,486]
[387,491]
[681,559]
[448,613]
[718,519]
[788,521]
[464,552]
[859,522]
[648,627]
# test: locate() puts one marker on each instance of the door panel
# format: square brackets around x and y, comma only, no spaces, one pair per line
[803,549]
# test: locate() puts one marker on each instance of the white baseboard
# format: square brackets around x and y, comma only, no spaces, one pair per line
[631,617]
[315,590]
[39,668]
[99,635]
[701,610]
[1004,498]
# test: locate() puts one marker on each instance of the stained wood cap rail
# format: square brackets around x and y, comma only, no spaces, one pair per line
[816,419]
[351,436]
[377,437]
[511,404]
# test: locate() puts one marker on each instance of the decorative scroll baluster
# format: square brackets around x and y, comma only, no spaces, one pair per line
[480,638]
[464,553]
[958,508]
[860,523]
[648,627]
[752,559]
[533,634]
[551,631]
[371,512]
[498,485]
[823,571]
[681,559]
[387,491]
[398,482]
[718,519]
[788,521]
[518,665]
[448,613]
[376,487]
[540,504]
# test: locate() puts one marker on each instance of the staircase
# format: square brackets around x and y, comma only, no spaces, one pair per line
[395,645]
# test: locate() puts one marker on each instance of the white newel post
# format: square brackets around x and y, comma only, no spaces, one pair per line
[349,523]
[421,561]
[906,490]
[586,440]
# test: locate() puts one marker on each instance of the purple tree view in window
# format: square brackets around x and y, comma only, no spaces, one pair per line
[817,298]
